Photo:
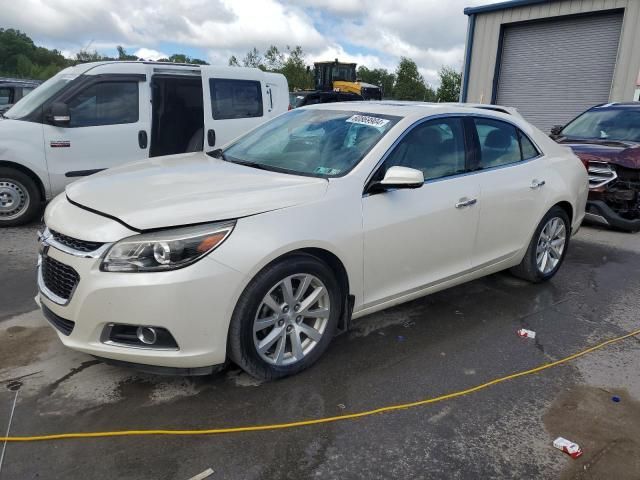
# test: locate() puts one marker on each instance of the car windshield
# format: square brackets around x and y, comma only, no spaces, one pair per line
[42,93]
[610,124]
[322,143]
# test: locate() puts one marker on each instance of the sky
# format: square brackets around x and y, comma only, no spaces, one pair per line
[374,33]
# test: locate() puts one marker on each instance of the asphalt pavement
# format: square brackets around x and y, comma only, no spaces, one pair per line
[443,343]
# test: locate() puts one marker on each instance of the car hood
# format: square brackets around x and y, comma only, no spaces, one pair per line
[625,154]
[187,189]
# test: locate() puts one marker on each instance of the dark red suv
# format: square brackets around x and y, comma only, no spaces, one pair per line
[607,140]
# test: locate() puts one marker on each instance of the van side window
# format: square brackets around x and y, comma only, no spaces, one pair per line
[436,147]
[498,143]
[235,98]
[5,96]
[106,103]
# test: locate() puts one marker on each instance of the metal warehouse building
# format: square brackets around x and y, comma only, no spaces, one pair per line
[552,59]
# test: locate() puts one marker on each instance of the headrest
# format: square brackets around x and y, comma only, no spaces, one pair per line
[497,139]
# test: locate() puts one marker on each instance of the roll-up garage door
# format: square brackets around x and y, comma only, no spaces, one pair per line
[555,69]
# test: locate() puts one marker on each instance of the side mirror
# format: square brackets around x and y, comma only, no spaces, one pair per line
[555,131]
[59,114]
[399,177]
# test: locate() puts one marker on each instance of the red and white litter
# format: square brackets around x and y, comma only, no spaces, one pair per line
[524,333]
[568,447]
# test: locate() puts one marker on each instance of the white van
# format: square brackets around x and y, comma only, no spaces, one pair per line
[97,115]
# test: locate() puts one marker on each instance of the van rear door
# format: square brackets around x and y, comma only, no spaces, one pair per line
[236,100]
[109,125]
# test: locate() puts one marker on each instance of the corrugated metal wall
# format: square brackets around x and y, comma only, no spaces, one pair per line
[486,38]
[555,69]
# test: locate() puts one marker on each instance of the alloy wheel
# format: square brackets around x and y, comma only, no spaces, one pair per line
[551,245]
[291,319]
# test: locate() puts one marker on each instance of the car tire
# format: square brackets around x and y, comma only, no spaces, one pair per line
[547,249]
[19,198]
[267,320]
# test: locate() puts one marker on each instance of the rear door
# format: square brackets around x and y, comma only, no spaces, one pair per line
[509,170]
[109,126]
[233,106]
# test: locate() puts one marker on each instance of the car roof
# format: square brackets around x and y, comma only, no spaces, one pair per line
[408,109]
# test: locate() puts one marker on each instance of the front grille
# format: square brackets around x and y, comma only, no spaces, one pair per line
[61,324]
[59,278]
[600,173]
[74,243]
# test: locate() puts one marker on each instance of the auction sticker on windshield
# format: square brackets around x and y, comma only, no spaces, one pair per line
[367,120]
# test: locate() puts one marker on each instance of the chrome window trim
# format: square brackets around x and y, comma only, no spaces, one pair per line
[47,240]
[384,157]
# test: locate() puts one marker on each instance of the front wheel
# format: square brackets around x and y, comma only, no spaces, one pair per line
[19,198]
[547,248]
[285,318]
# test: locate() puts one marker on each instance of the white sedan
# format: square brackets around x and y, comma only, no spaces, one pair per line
[260,253]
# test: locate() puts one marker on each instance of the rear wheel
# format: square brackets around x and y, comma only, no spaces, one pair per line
[547,248]
[19,198]
[286,318]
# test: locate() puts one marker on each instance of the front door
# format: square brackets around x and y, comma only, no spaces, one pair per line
[421,237]
[109,125]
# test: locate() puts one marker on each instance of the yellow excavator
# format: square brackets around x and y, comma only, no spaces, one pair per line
[336,76]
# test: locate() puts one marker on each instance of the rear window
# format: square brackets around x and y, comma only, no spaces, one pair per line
[235,98]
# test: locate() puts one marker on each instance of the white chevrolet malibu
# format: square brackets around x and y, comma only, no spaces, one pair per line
[261,252]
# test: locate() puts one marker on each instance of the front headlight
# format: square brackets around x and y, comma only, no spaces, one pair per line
[166,249]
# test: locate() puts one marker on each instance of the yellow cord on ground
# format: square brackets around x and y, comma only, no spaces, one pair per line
[317,421]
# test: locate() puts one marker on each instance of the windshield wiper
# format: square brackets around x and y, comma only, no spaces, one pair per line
[217,153]
[259,166]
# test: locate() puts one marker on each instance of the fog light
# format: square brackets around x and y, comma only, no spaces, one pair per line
[147,335]
[138,336]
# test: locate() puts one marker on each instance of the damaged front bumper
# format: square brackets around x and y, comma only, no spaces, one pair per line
[614,196]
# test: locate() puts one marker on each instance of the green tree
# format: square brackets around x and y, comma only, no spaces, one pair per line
[123,55]
[85,56]
[253,59]
[298,74]
[233,61]
[450,82]
[377,76]
[273,59]
[20,57]
[410,84]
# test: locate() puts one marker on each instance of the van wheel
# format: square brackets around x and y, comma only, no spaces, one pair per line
[285,318]
[547,249]
[19,198]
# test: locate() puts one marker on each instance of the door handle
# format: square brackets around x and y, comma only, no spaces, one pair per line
[142,139]
[462,203]
[211,137]
[535,183]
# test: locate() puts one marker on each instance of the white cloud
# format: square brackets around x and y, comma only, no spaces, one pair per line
[150,54]
[375,33]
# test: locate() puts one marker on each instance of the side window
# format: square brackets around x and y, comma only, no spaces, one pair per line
[235,98]
[5,96]
[499,143]
[528,149]
[106,103]
[436,147]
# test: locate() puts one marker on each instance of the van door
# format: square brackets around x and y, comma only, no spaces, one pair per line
[233,106]
[109,125]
